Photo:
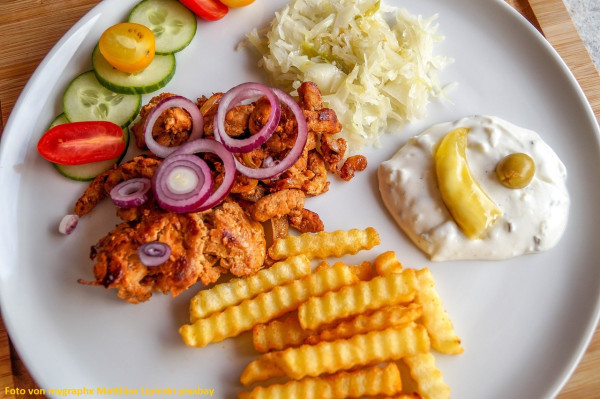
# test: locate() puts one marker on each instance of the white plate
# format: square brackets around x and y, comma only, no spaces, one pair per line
[525,322]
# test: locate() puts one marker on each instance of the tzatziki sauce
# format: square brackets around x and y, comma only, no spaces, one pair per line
[533,218]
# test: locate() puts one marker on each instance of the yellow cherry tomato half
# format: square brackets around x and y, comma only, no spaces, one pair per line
[127,46]
[236,3]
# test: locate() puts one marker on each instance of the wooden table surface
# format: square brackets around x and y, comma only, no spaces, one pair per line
[26,36]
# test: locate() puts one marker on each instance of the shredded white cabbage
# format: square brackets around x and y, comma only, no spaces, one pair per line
[374,64]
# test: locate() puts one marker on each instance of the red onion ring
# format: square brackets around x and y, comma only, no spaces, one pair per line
[277,168]
[174,169]
[154,253]
[172,102]
[233,97]
[131,193]
[207,145]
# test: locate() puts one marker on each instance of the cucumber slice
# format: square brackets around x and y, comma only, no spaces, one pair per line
[154,77]
[87,100]
[174,25]
[59,120]
[88,171]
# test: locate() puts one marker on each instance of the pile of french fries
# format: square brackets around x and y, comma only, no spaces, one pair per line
[338,331]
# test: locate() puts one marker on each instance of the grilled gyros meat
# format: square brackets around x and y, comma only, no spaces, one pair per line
[203,245]
[229,237]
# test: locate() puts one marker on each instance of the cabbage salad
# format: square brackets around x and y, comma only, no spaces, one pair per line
[374,63]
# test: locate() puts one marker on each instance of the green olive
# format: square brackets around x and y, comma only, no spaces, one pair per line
[515,170]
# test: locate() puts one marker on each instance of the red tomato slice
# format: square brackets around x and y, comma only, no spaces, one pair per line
[210,10]
[77,143]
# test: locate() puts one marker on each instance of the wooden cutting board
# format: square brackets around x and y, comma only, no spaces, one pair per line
[29,29]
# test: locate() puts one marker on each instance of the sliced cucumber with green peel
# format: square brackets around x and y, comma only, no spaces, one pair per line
[154,77]
[173,25]
[88,171]
[59,120]
[85,99]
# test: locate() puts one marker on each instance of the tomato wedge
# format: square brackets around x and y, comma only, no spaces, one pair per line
[77,143]
[210,10]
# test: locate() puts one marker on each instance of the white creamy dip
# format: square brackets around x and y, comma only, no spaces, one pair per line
[533,218]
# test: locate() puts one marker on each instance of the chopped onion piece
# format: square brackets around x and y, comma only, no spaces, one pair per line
[67,224]
[131,193]
[172,102]
[154,253]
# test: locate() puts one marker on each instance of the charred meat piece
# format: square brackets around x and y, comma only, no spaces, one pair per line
[323,121]
[208,109]
[171,129]
[237,120]
[352,164]
[277,204]
[204,245]
[318,183]
[309,96]
[333,150]
[306,221]
[235,240]
[140,166]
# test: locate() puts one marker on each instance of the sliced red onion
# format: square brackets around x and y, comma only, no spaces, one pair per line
[276,168]
[208,145]
[154,253]
[67,224]
[172,102]
[131,193]
[234,96]
[182,183]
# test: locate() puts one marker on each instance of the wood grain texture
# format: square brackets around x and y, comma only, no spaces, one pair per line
[29,29]
[557,26]
[561,33]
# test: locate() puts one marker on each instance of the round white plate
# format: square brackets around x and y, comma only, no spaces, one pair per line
[524,322]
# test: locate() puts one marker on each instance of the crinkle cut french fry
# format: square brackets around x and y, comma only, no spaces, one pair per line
[364,270]
[370,381]
[325,244]
[282,334]
[358,298]
[381,319]
[279,334]
[387,263]
[343,354]
[428,377]
[321,265]
[435,319]
[261,369]
[235,291]
[373,347]
[412,395]
[264,307]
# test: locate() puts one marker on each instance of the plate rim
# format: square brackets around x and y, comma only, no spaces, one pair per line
[96,11]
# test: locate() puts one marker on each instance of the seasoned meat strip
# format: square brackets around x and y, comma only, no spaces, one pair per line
[140,166]
[172,128]
[277,204]
[309,96]
[306,221]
